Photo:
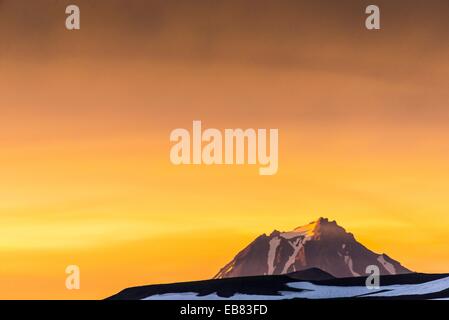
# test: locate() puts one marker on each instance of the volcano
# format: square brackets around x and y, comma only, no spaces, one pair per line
[321,244]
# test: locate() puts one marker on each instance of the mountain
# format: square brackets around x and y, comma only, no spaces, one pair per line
[308,284]
[322,244]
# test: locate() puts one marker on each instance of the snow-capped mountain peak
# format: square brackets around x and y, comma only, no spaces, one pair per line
[307,231]
[315,229]
[320,244]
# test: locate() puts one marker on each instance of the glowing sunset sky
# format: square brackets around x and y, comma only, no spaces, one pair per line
[86,116]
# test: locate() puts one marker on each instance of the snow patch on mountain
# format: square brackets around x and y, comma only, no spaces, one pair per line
[307,231]
[296,245]
[414,289]
[308,290]
[350,265]
[388,266]
[274,244]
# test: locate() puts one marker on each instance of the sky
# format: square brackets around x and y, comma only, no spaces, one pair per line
[85,119]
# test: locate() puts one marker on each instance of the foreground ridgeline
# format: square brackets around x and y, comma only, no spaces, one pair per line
[308,284]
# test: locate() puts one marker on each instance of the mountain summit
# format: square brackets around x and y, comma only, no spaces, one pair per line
[321,244]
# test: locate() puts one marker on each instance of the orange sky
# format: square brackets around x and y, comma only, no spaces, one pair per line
[86,116]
